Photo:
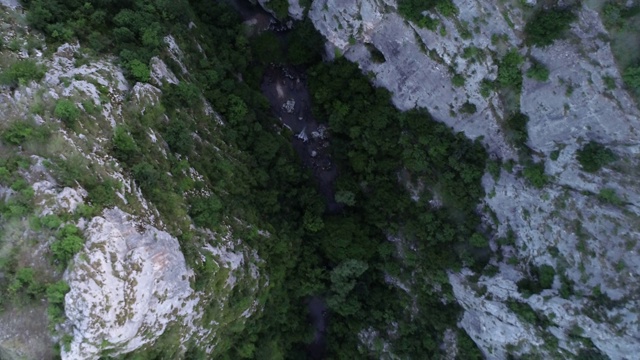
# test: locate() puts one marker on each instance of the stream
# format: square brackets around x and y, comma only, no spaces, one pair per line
[285,86]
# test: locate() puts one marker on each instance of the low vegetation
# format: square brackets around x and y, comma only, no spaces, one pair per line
[538,71]
[22,72]
[413,9]
[593,156]
[547,26]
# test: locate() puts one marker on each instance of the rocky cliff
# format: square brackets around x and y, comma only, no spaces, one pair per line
[129,282]
[590,243]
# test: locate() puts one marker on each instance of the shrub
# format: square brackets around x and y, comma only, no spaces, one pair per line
[124,146]
[18,133]
[538,71]
[594,156]
[609,82]
[546,273]
[547,26]
[25,279]
[66,111]
[139,70]
[609,196]
[516,129]
[534,173]
[631,77]
[457,80]
[509,74]
[55,296]
[21,72]
[468,108]
[413,9]
[478,240]
[68,242]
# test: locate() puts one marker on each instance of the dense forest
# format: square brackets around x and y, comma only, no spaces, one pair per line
[383,156]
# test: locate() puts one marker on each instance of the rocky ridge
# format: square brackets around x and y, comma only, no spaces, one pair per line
[566,225]
[130,283]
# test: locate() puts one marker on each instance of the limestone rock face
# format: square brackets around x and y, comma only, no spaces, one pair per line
[127,284]
[590,243]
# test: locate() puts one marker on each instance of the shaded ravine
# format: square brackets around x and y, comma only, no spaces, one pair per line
[285,87]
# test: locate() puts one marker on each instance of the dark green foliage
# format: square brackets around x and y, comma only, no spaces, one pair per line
[527,314]
[55,296]
[547,26]
[305,44]
[66,111]
[516,130]
[206,211]
[21,72]
[20,132]
[21,202]
[610,196]
[412,10]
[554,155]
[124,146]
[534,173]
[494,168]
[593,156]
[259,180]
[25,282]
[376,55]
[268,47]
[468,108]
[509,74]
[631,77]
[545,274]
[609,82]
[138,70]
[68,242]
[457,80]
[538,71]
[280,8]
[540,278]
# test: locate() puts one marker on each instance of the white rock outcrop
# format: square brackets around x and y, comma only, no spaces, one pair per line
[127,284]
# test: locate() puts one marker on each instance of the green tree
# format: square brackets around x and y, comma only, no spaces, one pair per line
[547,26]
[66,111]
[139,70]
[68,242]
[343,279]
[593,156]
[124,146]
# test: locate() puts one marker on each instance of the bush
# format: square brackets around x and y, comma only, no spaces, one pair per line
[534,173]
[139,70]
[124,146]
[66,111]
[457,80]
[68,242]
[610,196]
[538,71]
[509,74]
[55,296]
[547,26]
[516,130]
[20,132]
[468,108]
[22,72]
[594,156]
[413,9]
[546,274]
[631,77]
